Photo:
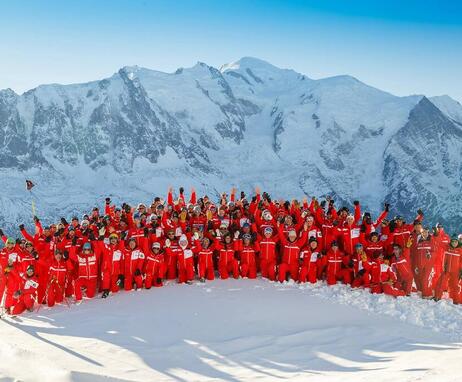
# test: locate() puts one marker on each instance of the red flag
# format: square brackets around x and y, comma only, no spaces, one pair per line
[29,185]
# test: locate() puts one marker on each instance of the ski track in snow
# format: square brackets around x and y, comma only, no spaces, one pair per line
[237,330]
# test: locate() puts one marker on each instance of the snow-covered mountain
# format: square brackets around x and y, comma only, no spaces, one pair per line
[248,123]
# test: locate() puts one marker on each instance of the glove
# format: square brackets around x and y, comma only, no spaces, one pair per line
[242,195]
[387,207]
[254,199]
[181,190]
[361,272]
[287,204]
[120,281]
[137,272]
[65,255]
[36,219]
[1,232]
[331,202]
[319,255]
[146,231]
[21,228]
[35,254]
[108,200]
[420,212]
[64,221]
[127,209]
[356,203]
[123,235]
[323,204]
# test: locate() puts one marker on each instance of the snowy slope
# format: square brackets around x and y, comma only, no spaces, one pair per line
[248,123]
[237,330]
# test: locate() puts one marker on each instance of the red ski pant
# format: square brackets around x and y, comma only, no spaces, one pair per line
[89,284]
[392,290]
[249,270]
[70,287]
[268,269]
[308,273]
[158,272]
[171,266]
[288,269]
[186,270]
[41,290]
[2,286]
[55,293]
[231,267]
[426,278]
[131,279]
[448,281]
[363,280]
[321,265]
[26,301]
[109,282]
[206,270]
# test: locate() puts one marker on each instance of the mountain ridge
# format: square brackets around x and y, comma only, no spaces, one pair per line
[243,124]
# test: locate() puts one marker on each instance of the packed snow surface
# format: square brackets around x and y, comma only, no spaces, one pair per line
[236,330]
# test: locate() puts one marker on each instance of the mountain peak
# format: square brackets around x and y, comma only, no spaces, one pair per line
[248,63]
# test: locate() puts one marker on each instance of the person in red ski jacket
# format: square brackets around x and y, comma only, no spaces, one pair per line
[268,245]
[424,272]
[9,257]
[154,267]
[134,259]
[26,295]
[205,263]
[171,256]
[401,231]
[112,267]
[361,266]
[351,234]
[388,280]
[58,272]
[402,266]
[373,245]
[291,247]
[227,262]
[334,264]
[309,258]
[247,255]
[449,278]
[87,270]
[442,244]
[185,258]
[10,276]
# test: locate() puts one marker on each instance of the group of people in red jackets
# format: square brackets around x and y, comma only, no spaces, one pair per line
[178,239]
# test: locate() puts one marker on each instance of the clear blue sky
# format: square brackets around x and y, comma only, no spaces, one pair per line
[405,47]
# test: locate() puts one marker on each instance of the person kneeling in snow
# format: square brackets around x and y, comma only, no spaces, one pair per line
[26,295]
